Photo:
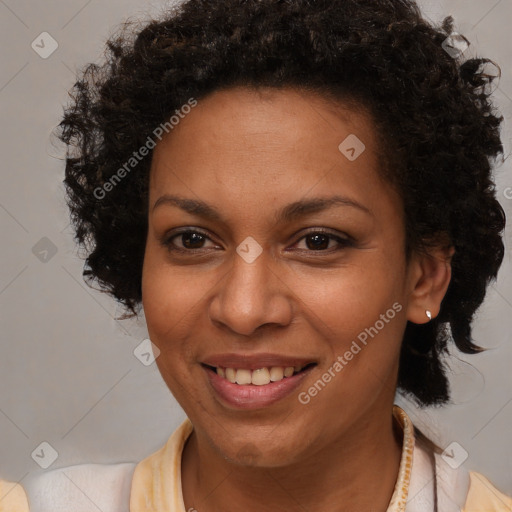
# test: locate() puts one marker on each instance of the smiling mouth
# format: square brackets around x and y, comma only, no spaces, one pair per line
[258,377]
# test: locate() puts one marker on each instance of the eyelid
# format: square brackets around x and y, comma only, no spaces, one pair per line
[343,239]
[326,231]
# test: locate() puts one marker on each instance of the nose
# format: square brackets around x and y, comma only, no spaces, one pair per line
[251,295]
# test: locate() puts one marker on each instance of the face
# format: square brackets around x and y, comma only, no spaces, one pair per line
[270,248]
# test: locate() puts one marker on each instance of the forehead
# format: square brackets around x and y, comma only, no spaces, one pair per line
[265,111]
[267,140]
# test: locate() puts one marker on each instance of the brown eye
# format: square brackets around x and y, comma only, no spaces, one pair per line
[317,241]
[321,241]
[192,240]
[187,240]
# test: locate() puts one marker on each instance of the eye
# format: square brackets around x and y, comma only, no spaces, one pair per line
[321,241]
[188,240]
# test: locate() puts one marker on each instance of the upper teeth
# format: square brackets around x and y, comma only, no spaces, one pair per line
[259,377]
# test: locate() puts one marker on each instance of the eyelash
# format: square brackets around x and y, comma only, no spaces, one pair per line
[343,242]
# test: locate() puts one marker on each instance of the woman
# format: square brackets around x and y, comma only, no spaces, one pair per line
[299,195]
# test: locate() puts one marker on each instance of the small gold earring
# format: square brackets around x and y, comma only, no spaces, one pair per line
[429,314]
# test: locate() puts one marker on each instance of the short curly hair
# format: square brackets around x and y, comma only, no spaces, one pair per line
[432,113]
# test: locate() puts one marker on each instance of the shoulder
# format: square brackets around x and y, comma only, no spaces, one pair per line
[467,491]
[105,487]
[81,488]
[157,479]
[438,478]
[483,495]
[12,497]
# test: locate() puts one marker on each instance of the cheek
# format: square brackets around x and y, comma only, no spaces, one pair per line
[359,320]
[169,298]
[170,294]
[359,310]
[352,297]
[165,301]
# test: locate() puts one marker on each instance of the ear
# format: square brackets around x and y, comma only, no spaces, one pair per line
[430,276]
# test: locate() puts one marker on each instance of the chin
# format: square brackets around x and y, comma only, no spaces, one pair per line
[260,454]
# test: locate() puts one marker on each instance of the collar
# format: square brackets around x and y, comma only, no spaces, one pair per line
[423,477]
[400,494]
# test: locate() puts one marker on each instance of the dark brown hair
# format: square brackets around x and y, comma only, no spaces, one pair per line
[432,111]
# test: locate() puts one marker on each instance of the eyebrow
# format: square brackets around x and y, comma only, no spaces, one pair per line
[288,213]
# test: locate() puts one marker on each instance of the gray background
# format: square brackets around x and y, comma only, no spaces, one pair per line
[68,375]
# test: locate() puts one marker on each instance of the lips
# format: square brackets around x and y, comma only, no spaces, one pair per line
[252,382]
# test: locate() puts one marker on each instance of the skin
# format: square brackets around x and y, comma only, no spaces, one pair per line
[248,154]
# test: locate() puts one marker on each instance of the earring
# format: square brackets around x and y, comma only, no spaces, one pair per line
[429,314]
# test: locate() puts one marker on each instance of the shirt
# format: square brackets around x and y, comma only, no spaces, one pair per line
[154,484]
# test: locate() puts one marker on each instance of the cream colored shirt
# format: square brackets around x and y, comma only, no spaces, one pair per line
[154,484]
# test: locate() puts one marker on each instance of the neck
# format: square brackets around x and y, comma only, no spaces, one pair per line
[358,472]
